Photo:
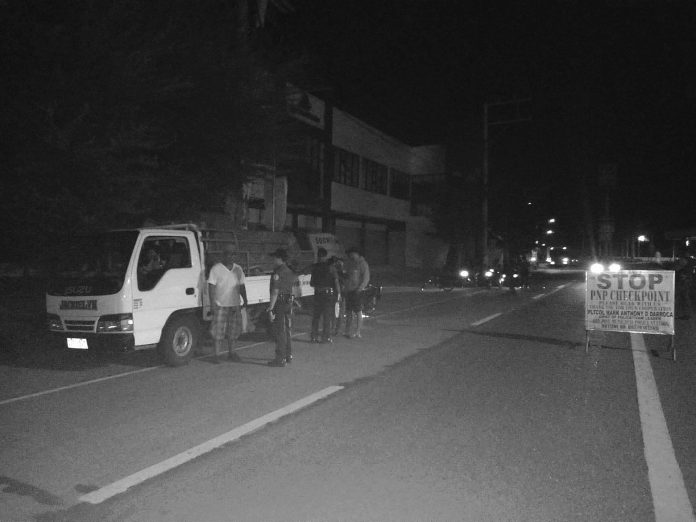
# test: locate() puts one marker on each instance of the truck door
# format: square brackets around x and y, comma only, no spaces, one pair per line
[165,279]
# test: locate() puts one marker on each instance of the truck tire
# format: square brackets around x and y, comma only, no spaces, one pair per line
[179,340]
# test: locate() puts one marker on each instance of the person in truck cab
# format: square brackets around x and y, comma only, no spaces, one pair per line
[151,262]
[149,269]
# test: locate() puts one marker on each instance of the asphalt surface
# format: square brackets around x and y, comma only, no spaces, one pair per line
[469,405]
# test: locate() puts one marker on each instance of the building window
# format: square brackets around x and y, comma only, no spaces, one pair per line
[347,169]
[399,185]
[375,177]
[314,154]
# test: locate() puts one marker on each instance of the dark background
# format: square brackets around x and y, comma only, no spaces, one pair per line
[117,109]
[611,83]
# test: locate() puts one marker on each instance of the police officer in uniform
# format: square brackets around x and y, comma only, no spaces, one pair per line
[327,290]
[280,308]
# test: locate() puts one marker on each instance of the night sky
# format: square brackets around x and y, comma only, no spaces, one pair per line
[609,82]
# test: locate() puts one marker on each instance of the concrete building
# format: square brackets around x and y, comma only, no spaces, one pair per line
[346,177]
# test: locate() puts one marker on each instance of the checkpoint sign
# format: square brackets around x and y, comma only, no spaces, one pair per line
[638,301]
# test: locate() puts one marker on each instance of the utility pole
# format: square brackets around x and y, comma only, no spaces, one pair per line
[484,203]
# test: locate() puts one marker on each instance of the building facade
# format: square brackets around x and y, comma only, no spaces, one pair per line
[346,177]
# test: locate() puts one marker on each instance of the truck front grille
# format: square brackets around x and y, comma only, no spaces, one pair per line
[79,326]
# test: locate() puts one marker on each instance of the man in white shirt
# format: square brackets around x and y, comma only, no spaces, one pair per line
[227,293]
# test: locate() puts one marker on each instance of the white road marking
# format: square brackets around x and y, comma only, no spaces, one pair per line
[120,486]
[486,319]
[77,385]
[670,498]
[115,376]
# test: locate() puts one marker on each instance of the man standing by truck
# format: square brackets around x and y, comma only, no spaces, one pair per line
[227,290]
[280,308]
[357,279]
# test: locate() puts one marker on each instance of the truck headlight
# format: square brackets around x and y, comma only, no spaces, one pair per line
[115,323]
[54,323]
[464,274]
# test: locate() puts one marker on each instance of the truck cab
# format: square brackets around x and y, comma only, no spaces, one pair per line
[129,289]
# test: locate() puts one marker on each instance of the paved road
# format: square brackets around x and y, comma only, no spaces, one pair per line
[446,410]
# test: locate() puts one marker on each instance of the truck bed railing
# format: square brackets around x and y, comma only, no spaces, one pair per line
[254,262]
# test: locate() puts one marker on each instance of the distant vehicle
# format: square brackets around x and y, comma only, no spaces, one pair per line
[562,259]
[607,265]
[490,277]
[448,279]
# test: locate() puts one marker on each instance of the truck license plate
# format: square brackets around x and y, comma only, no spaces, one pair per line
[77,343]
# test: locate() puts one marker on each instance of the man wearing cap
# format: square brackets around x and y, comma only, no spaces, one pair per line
[280,308]
[227,291]
[327,290]
[357,278]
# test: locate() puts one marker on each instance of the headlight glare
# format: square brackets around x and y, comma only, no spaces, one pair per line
[115,323]
[54,323]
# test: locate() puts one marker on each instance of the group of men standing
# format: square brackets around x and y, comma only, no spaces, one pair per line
[337,287]
[338,290]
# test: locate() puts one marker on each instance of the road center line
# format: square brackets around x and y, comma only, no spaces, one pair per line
[486,319]
[670,498]
[115,488]
[77,385]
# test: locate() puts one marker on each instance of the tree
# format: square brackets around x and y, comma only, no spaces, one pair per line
[124,110]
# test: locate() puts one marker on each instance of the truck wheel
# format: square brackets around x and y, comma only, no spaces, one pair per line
[179,340]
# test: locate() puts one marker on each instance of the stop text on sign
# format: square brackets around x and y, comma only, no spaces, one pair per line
[634,281]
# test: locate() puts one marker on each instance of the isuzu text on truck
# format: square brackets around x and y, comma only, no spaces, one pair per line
[138,289]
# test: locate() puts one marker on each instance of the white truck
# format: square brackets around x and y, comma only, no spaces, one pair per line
[103,294]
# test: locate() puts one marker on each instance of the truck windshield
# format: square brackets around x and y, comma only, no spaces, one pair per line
[91,265]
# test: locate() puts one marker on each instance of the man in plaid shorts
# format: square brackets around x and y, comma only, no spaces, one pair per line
[227,295]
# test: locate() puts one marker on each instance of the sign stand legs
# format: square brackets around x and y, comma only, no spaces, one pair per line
[672,348]
[587,341]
